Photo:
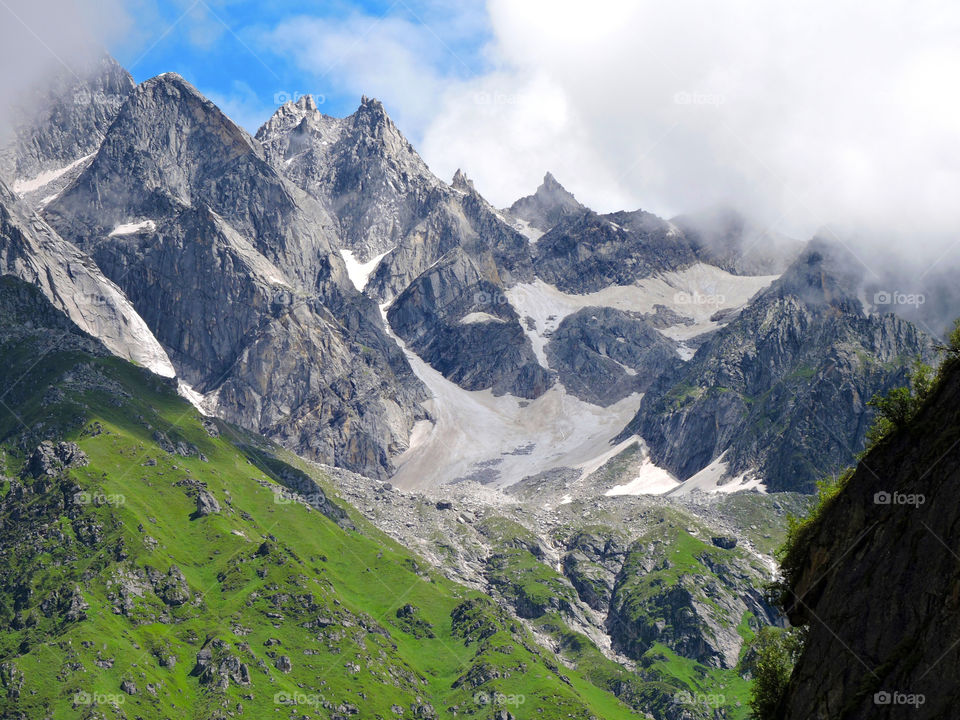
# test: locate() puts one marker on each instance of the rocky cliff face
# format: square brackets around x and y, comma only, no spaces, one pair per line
[33,252]
[60,125]
[783,389]
[455,317]
[233,269]
[603,355]
[588,252]
[875,579]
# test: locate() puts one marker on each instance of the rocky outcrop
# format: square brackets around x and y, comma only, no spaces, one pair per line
[676,590]
[457,319]
[874,578]
[550,204]
[232,267]
[588,252]
[603,355]
[783,389]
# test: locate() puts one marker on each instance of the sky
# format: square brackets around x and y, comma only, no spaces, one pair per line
[808,114]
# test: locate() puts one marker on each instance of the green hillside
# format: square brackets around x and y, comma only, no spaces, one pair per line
[158,569]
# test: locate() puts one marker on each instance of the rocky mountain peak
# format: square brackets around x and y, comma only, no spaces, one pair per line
[462,182]
[824,273]
[550,204]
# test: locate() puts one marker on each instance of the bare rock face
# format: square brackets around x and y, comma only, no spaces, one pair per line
[232,267]
[383,197]
[603,355]
[453,318]
[875,579]
[587,252]
[32,251]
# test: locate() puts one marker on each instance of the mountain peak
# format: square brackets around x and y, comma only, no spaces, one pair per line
[461,181]
[547,206]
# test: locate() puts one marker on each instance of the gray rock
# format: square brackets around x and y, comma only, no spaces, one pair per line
[603,355]
[207,504]
[457,319]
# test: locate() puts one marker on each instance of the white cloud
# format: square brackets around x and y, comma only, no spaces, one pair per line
[804,113]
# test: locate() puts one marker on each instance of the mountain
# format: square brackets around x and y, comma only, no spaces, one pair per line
[550,204]
[33,252]
[232,267]
[872,576]
[157,563]
[781,392]
[57,128]
[385,200]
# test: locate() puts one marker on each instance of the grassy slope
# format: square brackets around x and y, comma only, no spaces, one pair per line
[257,570]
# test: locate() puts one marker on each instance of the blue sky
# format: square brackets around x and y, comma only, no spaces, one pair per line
[248,55]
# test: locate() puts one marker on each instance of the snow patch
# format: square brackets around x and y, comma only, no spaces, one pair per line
[714,479]
[194,398]
[527,230]
[650,480]
[697,292]
[360,272]
[131,228]
[479,317]
[22,187]
[511,436]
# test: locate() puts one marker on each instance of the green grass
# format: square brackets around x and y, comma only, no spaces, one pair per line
[260,571]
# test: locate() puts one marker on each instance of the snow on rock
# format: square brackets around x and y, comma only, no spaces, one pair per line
[135,227]
[506,437]
[22,187]
[194,398]
[650,480]
[360,272]
[714,478]
[697,292]
[479,317]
